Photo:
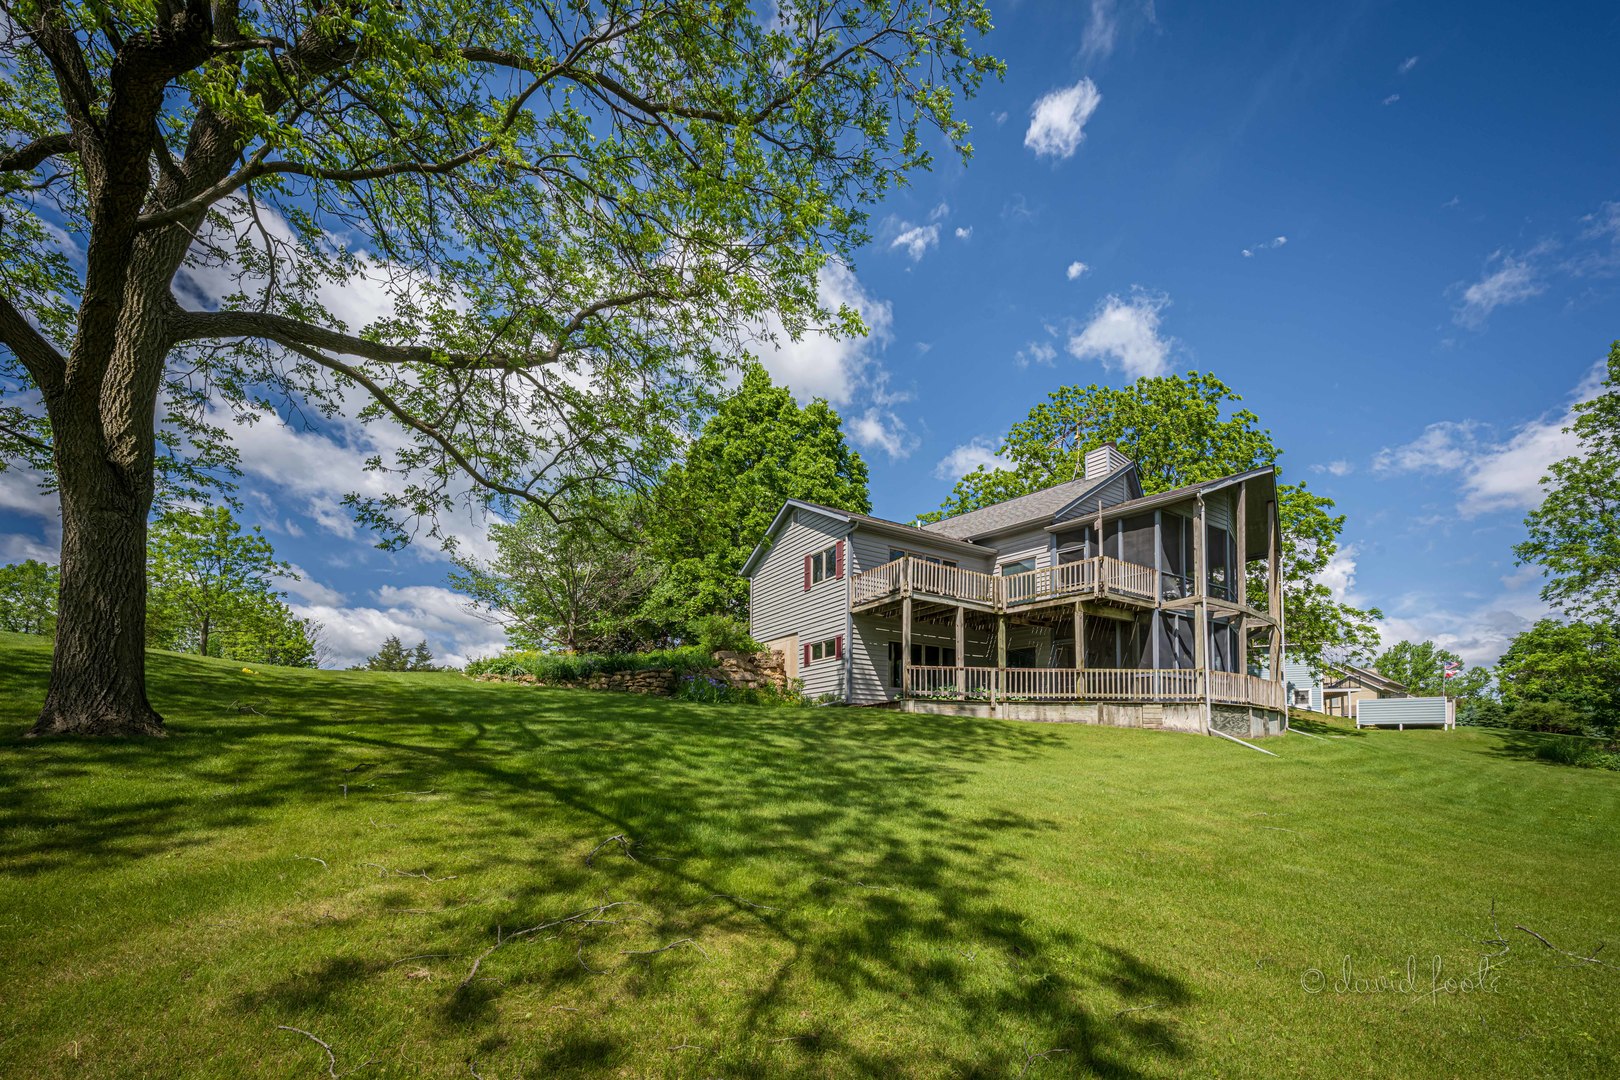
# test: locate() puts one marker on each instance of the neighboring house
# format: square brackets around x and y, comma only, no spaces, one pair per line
[1082,601]
[1304,684]
[1349,684]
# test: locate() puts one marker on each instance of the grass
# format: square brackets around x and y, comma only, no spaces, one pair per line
[847,892]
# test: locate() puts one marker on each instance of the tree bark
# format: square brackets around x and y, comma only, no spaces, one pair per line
[98,673]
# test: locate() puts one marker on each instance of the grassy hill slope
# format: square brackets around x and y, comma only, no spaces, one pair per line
[791,893]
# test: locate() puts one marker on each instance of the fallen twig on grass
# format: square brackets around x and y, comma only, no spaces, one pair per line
[684,1045]
[1497,930]
[579,954]
[331,1055]
[1138,1008]
[686,941]
[422,956]
[1030,1059]
[423,874]
[1589,959]
[244,708]
[857,884]
[588,917]
[624,842]
[311,858]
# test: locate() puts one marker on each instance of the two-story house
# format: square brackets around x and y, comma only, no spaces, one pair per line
[1084,601]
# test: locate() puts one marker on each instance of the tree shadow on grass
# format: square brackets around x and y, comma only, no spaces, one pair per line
[837,851]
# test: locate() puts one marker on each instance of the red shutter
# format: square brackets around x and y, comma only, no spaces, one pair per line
[838,647]
[807,655]
[839,559]
[807,573]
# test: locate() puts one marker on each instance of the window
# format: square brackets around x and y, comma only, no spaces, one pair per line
[826,649]
[824,564]
[1302,698]
[921,656]
[900,553]
[1018,567]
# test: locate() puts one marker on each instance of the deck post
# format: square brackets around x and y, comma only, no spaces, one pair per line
[905,645]
[961,653]
[1079,651]
[1201,616]
[1001,658]
[1241,591]
[1273,595]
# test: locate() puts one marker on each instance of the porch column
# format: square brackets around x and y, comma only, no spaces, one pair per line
[1001,658]
[961,653]
[905,645]
[1154,617]
[1079,651]
[1241,595]
[1201,612]
[1274,593]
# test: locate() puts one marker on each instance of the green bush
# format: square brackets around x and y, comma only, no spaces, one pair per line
[724,633]
[577,667]
[1549,716]
[1586,753]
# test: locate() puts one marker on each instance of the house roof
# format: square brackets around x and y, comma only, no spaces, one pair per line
[893,528]
[1036,507]
[1368,677]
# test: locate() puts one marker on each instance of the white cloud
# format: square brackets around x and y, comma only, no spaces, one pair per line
[818,365]
[915,240]
[1513,280]
[940,212]
[1494,474]
[1407,65]
[412,613]
[15,547]
[304,587]
[1036,352]
[1479,632]
[20,492]
[1058,120]
[1339,575]
[964,232]
[999,117]
[881,429]
[1391,99]
[1124,336]
[1075,269]
[1334,468]
[967,457]
[1102,30]
[1268,245]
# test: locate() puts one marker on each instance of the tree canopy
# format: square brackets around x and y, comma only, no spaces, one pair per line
[1182,429]
[1575,663]
[572,214]
[1420,667]
[1574,535]
[759,449]
[28,597]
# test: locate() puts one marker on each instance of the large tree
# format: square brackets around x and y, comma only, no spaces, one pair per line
[211,589]
[760,448]
[1575,532]
[571,209]
[1420,667]
[28,597]
[1183,429]
[1575,663]
[576,584]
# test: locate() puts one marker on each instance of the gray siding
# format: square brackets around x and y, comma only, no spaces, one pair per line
[781,606]
[1113,493]
[871,549]
[1297,675]
[1034,544]
[1389,712]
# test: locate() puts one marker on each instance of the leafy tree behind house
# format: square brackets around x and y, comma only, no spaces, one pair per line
[576,584]
[1420,667]
[394,656]
[1575,664]
[579,213]
[759,449]
[1574,535]
[28,597]
[212,591]
[1182,429]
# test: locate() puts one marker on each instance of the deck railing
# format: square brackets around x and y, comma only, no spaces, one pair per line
[1091,684]
[1100,575]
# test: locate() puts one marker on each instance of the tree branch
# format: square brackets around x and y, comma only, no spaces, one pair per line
[44,364]
[31,155]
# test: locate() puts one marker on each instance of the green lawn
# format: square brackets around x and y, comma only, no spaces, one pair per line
[836,892]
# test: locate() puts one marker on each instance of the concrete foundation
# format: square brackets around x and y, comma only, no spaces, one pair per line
[1243,722]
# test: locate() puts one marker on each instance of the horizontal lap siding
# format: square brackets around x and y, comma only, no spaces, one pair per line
[1423,710]
[872,549]
[1113,493]
[781,606]
[1034,544]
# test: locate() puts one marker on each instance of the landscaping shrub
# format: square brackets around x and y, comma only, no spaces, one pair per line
[1549,716]
[711,691]
[724,633]
[1586,753]
[576,667]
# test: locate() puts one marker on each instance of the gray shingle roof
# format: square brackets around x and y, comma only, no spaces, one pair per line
[1036,507]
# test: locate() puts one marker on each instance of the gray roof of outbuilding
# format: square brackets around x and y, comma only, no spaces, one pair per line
[1035,508]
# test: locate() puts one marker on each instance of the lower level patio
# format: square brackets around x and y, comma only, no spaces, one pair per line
[992,685]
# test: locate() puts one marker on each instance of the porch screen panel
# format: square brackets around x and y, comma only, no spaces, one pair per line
[1138,545]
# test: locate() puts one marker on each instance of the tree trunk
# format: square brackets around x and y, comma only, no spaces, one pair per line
[98,673]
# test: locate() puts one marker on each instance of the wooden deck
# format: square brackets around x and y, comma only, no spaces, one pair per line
[1144,685]
[1100,577]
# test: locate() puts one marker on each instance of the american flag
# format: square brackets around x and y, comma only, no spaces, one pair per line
[1453,669]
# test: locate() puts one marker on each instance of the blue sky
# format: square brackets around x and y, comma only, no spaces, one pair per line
[1395,229]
